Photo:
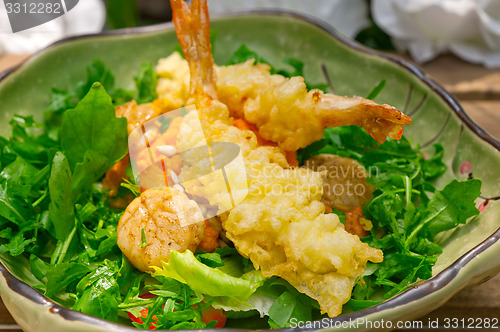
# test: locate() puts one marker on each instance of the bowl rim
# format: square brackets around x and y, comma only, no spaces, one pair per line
[425,288]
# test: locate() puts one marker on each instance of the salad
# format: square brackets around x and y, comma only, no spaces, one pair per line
[64,188]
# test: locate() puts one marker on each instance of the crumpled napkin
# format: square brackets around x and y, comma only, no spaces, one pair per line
[468,28]
[88,16]
[349,17]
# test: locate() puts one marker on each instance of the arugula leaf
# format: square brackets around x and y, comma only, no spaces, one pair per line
[243,54]
[226,251]
[98,292]
[16,245]
[215,259]
[61,209]
[100,299]
[99,72]
[92,127]
[297,65]
[61,275]
[29,141]
[340,214]
[449,207]
[12,207]
[7,156]
[146,84]
[61,100]
[19,171]
[6,233]
[181,307]
[357,305]
[434,166]
[107,245]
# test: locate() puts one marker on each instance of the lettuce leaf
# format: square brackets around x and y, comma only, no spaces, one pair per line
[258,301]
[185,268]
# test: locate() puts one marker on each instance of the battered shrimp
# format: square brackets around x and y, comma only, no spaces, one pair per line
[284,111]
[158,221]
[287,114]
[280,225]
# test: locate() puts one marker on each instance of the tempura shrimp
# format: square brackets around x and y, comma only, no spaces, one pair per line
[289,115]
[280,225]
[282,108]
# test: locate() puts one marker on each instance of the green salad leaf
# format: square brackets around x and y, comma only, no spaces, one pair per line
[287,306]
[146,84]
[86,129]
[449,207]
[99,292]
[61,275]
[243,54]
[99,72]
[185,268]
[61,208]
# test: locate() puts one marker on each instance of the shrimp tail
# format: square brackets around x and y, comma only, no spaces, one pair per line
[385,122]
[192,26]
[379,120]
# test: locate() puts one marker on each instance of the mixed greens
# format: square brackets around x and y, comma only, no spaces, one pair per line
[55,213]
[406,210]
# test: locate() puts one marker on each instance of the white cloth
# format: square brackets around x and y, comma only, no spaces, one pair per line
[347,16]
[468,28]
[88,16]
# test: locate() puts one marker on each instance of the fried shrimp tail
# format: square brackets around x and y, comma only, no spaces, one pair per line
[380,121]
[192,26]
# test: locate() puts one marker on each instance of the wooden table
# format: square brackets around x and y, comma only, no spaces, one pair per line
[478,89]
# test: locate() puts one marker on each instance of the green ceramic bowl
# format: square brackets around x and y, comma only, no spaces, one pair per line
[470,253]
